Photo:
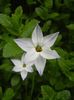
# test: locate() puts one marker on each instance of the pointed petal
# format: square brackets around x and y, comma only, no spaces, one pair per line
[29,69]
[40,64]
[49,54]
[50,39]
[17,69]
[37,35]
[25,44]
[31,55]
[16,62]
[23,58]
[23,74]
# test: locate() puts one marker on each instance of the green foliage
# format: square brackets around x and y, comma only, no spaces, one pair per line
[71,26]
[67,67]
[42,13]
[16,18]
[28,28]
[5,20]
[5,6]
[8,95]
[63,95]
[12,24]
[11,49]
[57,82]
[46,26]
[6,66]
[15,80]
[49,94]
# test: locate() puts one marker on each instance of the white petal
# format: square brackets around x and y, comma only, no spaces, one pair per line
[31,55]
[37,35]
[23,74]
[40,64]
[17,69]
[29,69]
[25,44]
[50,39]
[23,58]
[49,54]
[16,62]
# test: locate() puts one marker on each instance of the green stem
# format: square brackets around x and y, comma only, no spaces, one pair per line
[32,85]
[26,87]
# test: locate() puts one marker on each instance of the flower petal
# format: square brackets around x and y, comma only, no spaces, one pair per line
[49,54]
[16,62]
[40,64]
[23,58]
[17,69]
[29,69]
[23,74]
[50,39]
[25,43]
[37,36]
[31,55]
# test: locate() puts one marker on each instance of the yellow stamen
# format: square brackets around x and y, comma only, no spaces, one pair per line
[24,65]
[38,48]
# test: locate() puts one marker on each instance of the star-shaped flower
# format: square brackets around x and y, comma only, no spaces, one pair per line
[38,48]
[22,67]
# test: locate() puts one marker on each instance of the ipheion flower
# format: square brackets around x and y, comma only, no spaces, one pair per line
[22,67]
[38,48]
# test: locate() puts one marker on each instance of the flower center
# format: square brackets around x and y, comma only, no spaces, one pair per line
[24,65]
[38,48]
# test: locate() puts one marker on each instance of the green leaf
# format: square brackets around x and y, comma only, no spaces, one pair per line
[9,94]
[63,95]
[2,44]
[5,6]
[6,38]
[7,9]
[70,26]
[16,18]
[11,49]
[6,66]
[63,83]
[6,22]
[53,15]
[47,92]
[46,26]
[48,4]
[67,68]
[42,13]
[13,24]
[62,53]
[18,11]
[15,80]
[28,28]
[53,71]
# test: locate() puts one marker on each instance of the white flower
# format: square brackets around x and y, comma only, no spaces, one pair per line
[38,48]
[22,67]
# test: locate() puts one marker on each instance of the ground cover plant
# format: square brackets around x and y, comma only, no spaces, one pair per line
[18,18]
